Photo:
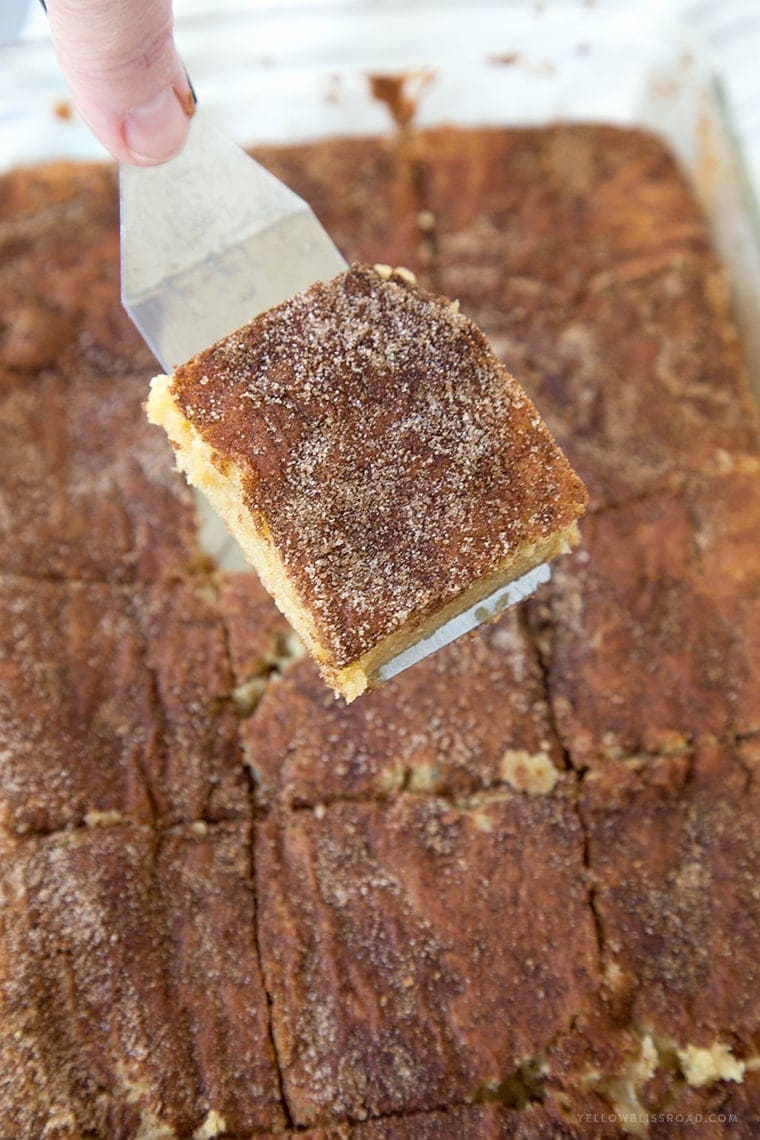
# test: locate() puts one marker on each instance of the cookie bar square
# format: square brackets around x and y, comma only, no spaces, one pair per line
[379,466]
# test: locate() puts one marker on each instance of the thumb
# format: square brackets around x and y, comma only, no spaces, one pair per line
[125,77]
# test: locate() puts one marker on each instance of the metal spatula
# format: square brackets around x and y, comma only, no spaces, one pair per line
[209,240]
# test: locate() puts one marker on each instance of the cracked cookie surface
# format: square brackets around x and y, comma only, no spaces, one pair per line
[537,826]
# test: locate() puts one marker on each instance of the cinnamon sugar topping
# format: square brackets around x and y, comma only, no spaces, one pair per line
[386,452]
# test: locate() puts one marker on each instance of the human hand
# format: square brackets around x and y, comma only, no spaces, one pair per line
[125,77]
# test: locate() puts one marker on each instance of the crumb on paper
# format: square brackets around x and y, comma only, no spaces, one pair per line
[400,93]
[63,110]
[506,59]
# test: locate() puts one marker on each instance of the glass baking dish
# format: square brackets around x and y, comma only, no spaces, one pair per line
[287,73]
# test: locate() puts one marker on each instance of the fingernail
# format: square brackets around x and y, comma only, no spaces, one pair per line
[156,131]
[191,101]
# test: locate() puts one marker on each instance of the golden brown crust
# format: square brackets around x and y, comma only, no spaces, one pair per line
[466,718]
[470,1122]
[123,1010]
[87,492]
[679,875]
[643,377]
[92,492]
[553,206]
[607,302]
[198,770]
[204,879]
[399,903]
[672,844]
[384,452]
[114,704]
[652,636]
[259,637]
[59,269]
[77,726]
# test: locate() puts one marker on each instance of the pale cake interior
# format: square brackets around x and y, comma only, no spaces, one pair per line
[221,482]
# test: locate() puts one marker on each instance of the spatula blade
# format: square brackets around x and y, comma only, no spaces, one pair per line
[209,240]
[487,609]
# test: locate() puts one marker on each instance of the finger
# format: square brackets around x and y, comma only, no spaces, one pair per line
[125,77]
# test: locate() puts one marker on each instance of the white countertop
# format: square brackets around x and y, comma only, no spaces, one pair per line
[727,33]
